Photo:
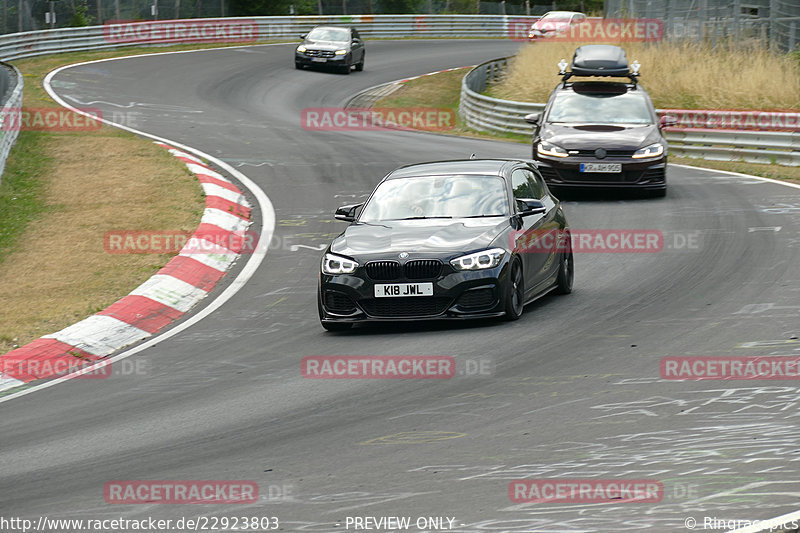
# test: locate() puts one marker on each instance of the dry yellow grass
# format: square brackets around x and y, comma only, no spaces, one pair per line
[442,90]
[59,272]
[680,75]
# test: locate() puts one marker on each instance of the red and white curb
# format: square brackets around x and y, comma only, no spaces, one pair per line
[162,299]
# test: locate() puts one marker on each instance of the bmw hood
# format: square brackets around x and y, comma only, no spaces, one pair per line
[418,237]
[591,136]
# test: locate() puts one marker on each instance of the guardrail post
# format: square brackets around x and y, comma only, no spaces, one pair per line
[8,135]
[773,29]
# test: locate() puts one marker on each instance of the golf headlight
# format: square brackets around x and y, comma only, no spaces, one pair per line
[340,52]
[654,150]
[546,148]
[479,260]
[334,264]
[301,48]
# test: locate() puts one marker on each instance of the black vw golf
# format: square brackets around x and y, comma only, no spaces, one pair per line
[601,134]
[446,240]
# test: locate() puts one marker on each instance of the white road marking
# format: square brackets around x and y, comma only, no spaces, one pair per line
[774,229]
[249,269]
[295,247]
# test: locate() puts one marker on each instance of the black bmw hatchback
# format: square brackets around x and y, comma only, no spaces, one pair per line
[601,134]
[446,240]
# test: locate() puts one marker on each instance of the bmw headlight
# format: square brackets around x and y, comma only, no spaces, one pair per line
[334,264]
[479,260]
[546,148]
[340,52]
[654,150]
[301,48]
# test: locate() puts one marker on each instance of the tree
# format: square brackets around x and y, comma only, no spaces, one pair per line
[252,8]
[80,15]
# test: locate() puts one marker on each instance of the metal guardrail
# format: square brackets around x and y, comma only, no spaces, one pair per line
[12,105]
[34,43]
[479,111]
[162,33]
[484,113]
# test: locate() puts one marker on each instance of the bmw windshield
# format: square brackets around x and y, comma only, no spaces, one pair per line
[599,108]
[455,196]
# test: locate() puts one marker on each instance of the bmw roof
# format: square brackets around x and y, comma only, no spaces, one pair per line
[459,166]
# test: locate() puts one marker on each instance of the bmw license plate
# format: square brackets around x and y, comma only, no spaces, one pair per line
[392,290]
[319,59]
[607,168]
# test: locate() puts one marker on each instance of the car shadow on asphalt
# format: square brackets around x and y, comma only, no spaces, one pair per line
[389,327]
[603,195]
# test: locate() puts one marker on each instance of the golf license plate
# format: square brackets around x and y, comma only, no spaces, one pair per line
[396,290]
[607,168]
[319,59]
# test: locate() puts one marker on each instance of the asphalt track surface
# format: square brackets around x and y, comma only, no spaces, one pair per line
[575,389]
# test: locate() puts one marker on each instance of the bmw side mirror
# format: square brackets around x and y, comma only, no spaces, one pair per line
[356,40]
[530,206]
[533,118]
[303,35]
[668,121]
[347,213]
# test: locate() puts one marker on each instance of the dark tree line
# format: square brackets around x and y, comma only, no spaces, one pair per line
[245,8]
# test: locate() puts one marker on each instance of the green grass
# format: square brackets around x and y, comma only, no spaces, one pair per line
[61,191]
[22,188]
[440,91]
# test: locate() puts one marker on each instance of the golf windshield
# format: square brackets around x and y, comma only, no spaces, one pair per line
[456,196]
[600,108]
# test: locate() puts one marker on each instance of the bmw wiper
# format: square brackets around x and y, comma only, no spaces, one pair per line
[481,216]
